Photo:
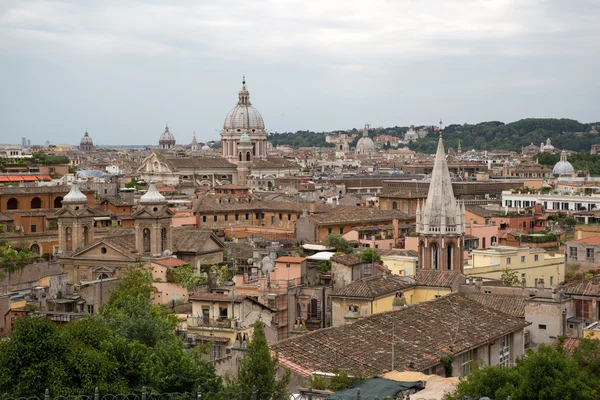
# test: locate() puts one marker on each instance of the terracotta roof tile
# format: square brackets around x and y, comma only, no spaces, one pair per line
[373,287]
[170,262]
[438,278]
[424,332]
[347,260]
[588,240]
[508,304]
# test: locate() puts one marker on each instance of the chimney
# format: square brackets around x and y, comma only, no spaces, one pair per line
[395,225]
[478,282]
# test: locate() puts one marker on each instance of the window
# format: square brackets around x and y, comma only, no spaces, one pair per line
[33,228]
[571,326]
[247,216]
[289,217]
[272,219]
[466,362]
[536,257]
[90,308]
[522,259]
[542,326]
[204,218]
[12,204]
[505,351]
[341,230]
[217,352]
[589,254]
[36,202]
[225,217]
[573,253]
[215,218]
[222,312]
[237,217]
[551,280]
[280,216]
[328,230]
[507,260]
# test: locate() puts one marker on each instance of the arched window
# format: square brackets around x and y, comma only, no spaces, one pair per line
[58,202]
[435,256]
[163,239]
[69,238]
[146,240]
[394,205]
[240,156]
[35,248]
[248,157]
[103,276]
[450,256]
[12,204]
[84,239]
[36,202]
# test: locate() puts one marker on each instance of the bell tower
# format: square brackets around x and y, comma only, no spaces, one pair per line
[75,221]
[441,221]
[245,158]
[153,224]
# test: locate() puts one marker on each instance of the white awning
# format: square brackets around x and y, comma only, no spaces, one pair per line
[321,256]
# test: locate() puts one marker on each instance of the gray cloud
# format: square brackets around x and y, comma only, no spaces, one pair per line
[123,69]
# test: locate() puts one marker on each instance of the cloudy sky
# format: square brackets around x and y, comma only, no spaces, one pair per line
[124,68]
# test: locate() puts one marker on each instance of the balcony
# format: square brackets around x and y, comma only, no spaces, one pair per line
[206,323]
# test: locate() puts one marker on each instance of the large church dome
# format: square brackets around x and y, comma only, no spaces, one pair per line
[563,167]
[86,139]
[365,144]
[243,116]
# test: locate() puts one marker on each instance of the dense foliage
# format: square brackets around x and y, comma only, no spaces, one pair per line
[564,134]
[370,256]
[338,242]
[583,161]
[299,139]
[548,373]
[13,259]
[186,277]
[259,370]
[129,345]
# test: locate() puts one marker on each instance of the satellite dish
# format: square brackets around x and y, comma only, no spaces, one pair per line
[167,253]
[250,261]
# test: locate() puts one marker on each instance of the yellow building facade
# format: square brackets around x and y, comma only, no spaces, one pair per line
[531,264]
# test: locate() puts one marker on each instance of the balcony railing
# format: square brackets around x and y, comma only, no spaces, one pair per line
[209,323]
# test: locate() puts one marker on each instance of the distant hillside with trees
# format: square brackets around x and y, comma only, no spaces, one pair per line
[564,133]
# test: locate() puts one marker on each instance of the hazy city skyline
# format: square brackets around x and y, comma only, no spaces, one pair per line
[122,70]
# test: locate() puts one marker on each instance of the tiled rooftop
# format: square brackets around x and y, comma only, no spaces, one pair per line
[423,333]
[508,304]
[374,286]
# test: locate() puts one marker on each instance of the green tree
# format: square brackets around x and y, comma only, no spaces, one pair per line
[130,313]
[546,374]
[258,370]
[370,256]
[186,277]
[509,277]
[338,242]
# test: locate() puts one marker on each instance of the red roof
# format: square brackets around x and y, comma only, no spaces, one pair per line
[588,240]
[288,259]
[170,262]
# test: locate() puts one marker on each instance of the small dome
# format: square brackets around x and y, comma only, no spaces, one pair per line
[166,135]
[365,145]
[75,195]
[152,196]
[245,137]
[86,139]
[563,167]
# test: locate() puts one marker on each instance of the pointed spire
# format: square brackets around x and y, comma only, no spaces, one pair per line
[167,127]
[441,208]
